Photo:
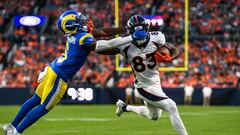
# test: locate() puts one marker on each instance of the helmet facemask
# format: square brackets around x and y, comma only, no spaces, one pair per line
[81,22]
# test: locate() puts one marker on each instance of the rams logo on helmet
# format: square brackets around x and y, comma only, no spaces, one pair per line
[71,22]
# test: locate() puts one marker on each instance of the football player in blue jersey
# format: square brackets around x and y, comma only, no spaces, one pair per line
[53,81]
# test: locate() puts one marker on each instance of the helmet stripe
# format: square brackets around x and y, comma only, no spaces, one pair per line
[68,13]
[136,18]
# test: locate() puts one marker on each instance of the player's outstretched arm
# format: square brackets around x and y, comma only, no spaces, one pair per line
[112,45]
[107,32]
[104,45]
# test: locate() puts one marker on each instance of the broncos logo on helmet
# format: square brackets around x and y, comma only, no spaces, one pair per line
[72,22]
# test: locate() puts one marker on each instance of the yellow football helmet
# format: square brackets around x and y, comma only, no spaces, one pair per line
[72,22]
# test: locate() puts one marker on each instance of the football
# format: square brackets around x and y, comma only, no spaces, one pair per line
[163,54]
[164,51]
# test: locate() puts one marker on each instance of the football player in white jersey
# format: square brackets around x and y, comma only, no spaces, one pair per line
[140,55]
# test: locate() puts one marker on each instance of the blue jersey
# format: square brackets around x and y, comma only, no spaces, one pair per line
[74,56]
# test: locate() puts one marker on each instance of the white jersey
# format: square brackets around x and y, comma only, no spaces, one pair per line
[143,64]
[188,90]
[207,91]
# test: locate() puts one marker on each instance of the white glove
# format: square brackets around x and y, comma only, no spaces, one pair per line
[42,75]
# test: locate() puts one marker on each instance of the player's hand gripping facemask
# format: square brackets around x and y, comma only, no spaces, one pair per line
[137,26]
[90,25]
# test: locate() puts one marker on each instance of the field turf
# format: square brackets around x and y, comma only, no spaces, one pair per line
[101,120]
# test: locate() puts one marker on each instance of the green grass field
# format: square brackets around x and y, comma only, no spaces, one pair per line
[101,120]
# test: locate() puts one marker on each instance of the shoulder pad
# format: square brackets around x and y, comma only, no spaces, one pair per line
[157,36]
[86,39]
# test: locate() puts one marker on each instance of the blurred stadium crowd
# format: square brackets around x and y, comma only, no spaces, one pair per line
[214,41]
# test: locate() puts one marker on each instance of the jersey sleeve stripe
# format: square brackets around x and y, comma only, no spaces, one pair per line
[156,44]
[83,37]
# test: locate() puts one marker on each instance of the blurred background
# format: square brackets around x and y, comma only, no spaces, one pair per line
[213,50]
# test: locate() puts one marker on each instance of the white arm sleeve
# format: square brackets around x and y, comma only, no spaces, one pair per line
[113,43]
[161,38]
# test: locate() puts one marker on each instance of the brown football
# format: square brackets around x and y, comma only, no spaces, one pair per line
[164,51]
